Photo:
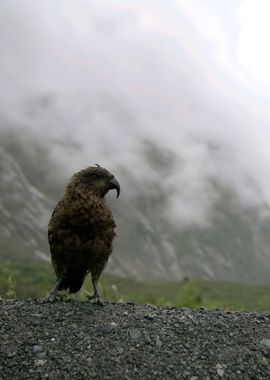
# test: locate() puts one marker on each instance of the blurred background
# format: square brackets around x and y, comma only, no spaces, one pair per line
[170,96]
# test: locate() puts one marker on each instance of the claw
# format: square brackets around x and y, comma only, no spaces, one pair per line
[52,298]
[95,298]
[53,294]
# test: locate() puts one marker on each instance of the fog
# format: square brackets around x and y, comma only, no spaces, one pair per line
[104,76]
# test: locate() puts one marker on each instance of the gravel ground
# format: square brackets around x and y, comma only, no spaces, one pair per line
[79,340]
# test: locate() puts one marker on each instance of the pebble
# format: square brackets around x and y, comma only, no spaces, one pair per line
[111,343]
[40,362]
[106,329]
[149,317]
[37,349]
[158,341]
[134,334]
[265,343]
[220,369]
[120,350]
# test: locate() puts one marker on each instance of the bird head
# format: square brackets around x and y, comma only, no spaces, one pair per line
[98,179]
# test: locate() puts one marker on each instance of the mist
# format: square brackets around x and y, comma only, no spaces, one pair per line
[95,80]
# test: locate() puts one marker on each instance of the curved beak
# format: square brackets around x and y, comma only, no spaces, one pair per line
[114,184]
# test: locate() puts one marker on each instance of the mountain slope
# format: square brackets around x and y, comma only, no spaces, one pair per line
[232,244]
[24,213]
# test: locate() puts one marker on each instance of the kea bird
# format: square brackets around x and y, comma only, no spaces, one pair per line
[81,231]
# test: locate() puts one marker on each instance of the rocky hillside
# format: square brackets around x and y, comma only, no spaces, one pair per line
[79,340]
[233,244]
[24,213]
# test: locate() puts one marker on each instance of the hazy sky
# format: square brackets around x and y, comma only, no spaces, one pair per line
[191,75]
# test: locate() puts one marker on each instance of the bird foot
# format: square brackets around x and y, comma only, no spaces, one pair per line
[52,298]
[95,298]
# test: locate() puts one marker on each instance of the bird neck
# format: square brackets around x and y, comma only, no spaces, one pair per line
[79,189]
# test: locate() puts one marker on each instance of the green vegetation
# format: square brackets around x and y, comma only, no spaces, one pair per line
[35,279]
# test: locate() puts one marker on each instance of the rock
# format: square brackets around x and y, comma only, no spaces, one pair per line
[40,362]
[118,342]
[265,343]
[158,341]
[37,349]
[120,350]
[106,329]
[134,334]
[220,369]
[149,317]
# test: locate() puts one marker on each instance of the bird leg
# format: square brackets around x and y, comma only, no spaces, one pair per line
[51,297]
[96,296]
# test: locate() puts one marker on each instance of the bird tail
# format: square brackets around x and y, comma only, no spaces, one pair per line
[73,280]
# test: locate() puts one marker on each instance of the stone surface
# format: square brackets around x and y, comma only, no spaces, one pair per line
[80,340]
